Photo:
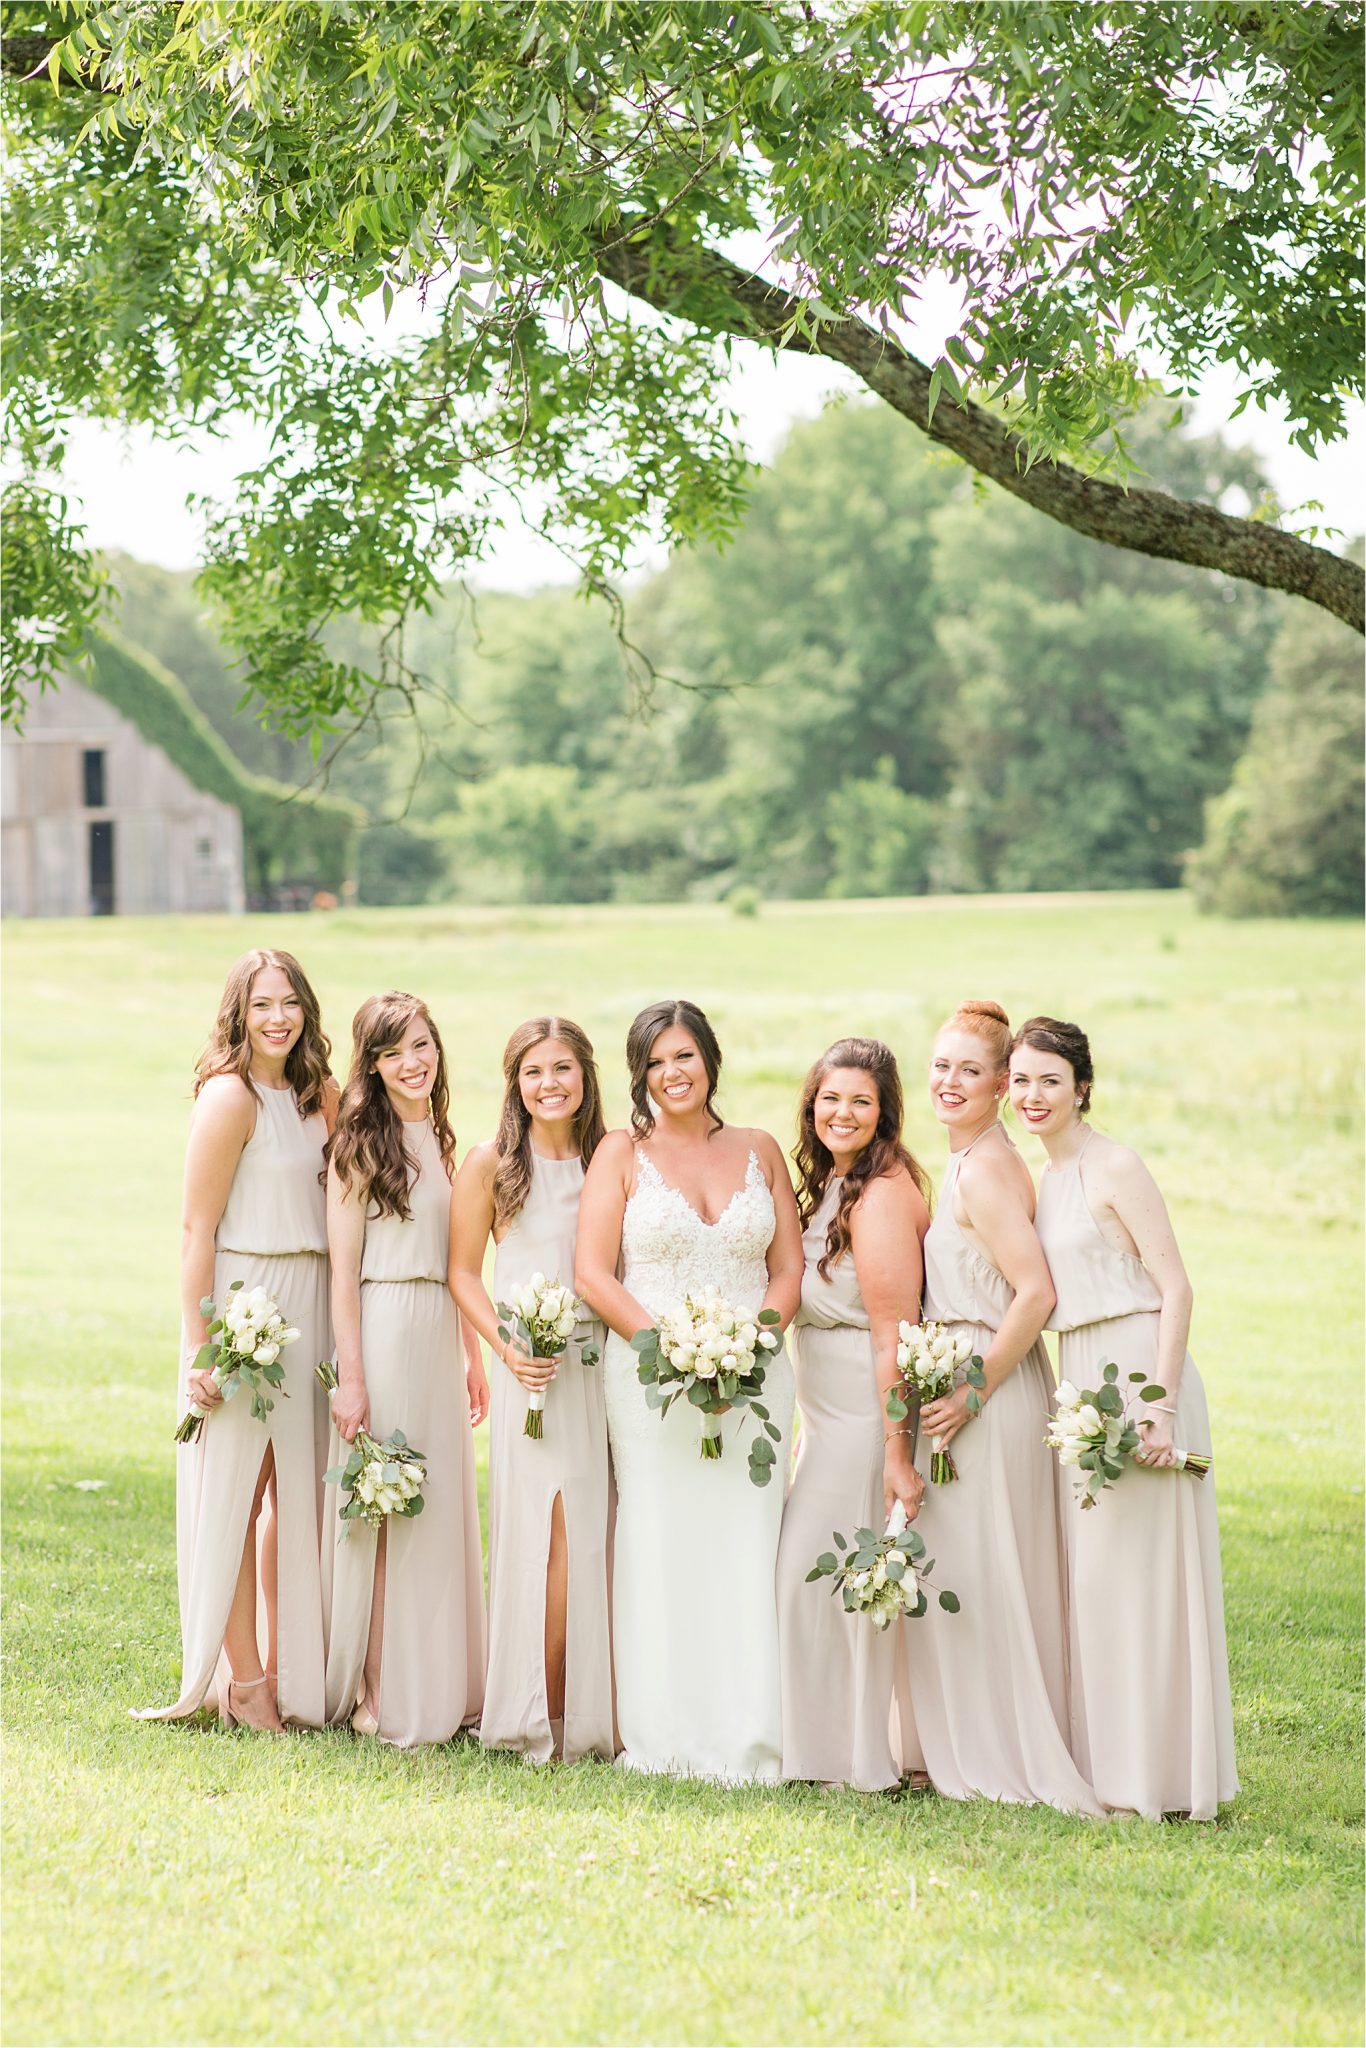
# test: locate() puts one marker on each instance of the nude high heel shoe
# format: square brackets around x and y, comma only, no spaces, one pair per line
[238,1712]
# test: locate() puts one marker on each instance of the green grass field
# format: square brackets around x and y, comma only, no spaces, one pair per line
[180,1884]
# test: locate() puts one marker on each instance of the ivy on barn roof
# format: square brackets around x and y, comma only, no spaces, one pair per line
[287,834]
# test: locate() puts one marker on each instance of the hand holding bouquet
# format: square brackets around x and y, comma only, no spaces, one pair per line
[929,1358]
[242,1349]
[542,1317]
[1097,1432]
[716,1357]
[378,1479]
[882,1576]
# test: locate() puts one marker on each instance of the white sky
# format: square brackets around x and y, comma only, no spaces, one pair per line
[133,489]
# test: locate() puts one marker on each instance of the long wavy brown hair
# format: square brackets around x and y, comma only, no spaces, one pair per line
[512,1174]
[815,1162]
[645,1029]
[367,1146]
[308,1068]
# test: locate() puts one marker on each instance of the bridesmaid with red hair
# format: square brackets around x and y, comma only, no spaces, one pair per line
[988,1685]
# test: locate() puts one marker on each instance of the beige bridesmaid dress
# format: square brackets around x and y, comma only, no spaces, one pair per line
[525,1475]
[432,1659]
[272,1234]
[836,1668]
[988,1686]
[1152,1719]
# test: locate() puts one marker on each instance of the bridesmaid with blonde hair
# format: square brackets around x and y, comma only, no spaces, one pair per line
[405,1658]
[247,1501]
[862,1199]
[549,1690]
[988,1685]
[1152,1717]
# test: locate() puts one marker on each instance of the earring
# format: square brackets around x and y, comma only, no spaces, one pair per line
[1080,1103]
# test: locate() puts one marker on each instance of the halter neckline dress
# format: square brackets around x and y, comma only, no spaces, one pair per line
[1151,1709]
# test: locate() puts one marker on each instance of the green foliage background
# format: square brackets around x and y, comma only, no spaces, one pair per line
[889,683]
[179,1884]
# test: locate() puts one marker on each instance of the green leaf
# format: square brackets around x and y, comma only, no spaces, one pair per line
[949,1602]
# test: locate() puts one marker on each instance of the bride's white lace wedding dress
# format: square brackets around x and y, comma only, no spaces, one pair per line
[694,1612]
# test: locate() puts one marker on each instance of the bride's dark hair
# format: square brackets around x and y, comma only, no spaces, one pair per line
[640,1043]
[884,1151]
[367,1146]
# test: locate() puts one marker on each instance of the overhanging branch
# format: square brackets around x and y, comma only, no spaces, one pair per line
[708,289]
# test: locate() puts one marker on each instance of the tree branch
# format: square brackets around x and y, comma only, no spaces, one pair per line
[697,284]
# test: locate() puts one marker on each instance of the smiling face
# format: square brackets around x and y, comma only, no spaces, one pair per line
[275,1016]
[551,1082]
[676,1073]
[408,1069]
[966,1085]
[1043,1090]
[845,1111]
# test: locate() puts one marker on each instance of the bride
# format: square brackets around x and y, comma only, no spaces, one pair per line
[681,1201]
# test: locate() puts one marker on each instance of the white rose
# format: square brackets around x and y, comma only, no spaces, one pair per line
[366,1484]
[1091,1420]
[266,1354]
[768,1340]
[1070,1454]
[1068,1396]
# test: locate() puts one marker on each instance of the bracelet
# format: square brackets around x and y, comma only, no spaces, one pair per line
[888,1434]
[1164,1407]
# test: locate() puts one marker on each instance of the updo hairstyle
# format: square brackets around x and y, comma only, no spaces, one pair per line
[987,1021]
[1066,1042]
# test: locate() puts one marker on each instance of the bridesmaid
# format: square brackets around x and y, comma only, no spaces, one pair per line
[549,1690]
[1152,1718]
[405,1657]
[988,1686]
[247,1501]
[862,1202]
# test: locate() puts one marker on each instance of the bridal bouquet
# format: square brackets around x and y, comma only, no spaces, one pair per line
[882,1576]
[242,1350]
[542,1316]
[377,1479]
[929,1358]
[1097,1432]
[715,1357]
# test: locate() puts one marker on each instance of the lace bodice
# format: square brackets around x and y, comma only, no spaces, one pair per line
[668,1250]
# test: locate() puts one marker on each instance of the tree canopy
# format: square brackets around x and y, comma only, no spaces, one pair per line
[595,203]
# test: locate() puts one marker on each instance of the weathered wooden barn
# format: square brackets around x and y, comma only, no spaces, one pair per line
[118,796]
[97,819]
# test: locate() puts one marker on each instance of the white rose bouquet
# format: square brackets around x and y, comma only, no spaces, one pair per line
[543,1316]
[715,1357]
[378,1479]
[882,1576]
[242,1349]
[929,1358]
[1096,1432]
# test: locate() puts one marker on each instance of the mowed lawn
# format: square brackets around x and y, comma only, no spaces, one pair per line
[180,1884]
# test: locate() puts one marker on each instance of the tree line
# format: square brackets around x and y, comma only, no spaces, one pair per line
[894,680]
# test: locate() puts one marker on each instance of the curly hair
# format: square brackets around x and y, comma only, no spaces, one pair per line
[512,1173]
[307,1069]
[367,1146]
[640,1041]
[884,1151]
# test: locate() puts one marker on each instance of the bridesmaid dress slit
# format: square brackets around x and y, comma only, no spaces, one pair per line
[272,1234]
[431,1677]
[527,1475]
